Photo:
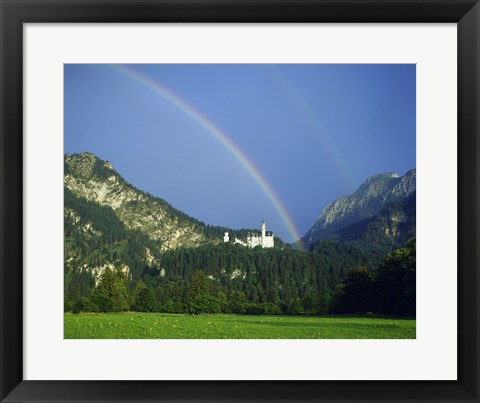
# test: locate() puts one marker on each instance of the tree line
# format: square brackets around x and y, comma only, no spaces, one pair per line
[391,290]
[227,278]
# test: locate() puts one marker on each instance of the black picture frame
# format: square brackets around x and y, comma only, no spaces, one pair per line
[14,13]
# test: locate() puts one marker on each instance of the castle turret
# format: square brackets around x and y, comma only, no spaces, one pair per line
[226,237]
[267,236]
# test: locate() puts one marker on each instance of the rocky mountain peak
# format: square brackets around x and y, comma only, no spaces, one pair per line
[95,180]
[375,185]
[85,165]
[370,197]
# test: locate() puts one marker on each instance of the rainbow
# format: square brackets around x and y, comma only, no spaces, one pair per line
[310,118]
[219,136]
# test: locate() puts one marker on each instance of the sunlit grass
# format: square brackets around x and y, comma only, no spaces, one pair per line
[133,325]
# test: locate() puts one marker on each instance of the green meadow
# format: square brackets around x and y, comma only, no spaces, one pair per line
[134,325]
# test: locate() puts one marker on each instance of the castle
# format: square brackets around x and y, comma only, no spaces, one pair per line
[262,238]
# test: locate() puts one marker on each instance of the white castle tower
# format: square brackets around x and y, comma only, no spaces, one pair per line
[263,238]
[226,237]
[267,236]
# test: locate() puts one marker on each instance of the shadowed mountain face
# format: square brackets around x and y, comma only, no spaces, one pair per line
[367,202]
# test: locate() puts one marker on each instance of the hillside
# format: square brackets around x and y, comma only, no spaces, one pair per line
[367,241]
[108,223]
[376,193]
[126,249]
[93,179]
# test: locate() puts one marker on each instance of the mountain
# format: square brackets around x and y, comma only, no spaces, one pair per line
[394,224]
[93,179]
[110,223]
[368,240]
[367,202]
[126,249]
[96,239]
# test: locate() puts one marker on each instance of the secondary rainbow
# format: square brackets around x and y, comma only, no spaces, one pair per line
[219,136]
[327,147]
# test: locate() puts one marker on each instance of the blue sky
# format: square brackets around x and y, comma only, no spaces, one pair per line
[312,133]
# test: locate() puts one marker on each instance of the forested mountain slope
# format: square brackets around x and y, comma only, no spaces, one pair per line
[128,250]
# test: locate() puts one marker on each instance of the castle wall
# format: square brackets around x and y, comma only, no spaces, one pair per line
[268,242]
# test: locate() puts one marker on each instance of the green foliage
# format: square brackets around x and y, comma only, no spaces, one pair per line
[354,295]
[239,280]
[111,294]
[83,304]
[199,285]
[67,305]
[268,308]
[389,291]
[200,299]
[310,301]
[222,302]
[94,237]
[337,258]
[242,279]
[237,302]
[103,302]
[146,301]
[396,282]
[203,303]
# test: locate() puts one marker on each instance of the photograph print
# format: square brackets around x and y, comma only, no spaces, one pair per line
[239,201]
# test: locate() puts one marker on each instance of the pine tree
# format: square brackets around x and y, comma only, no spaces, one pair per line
[396,282]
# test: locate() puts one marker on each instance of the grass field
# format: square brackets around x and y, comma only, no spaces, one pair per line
[133,325]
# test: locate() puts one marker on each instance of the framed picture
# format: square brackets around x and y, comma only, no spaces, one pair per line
[48,48]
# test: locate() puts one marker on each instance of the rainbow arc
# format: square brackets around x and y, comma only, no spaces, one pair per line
[217,134]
